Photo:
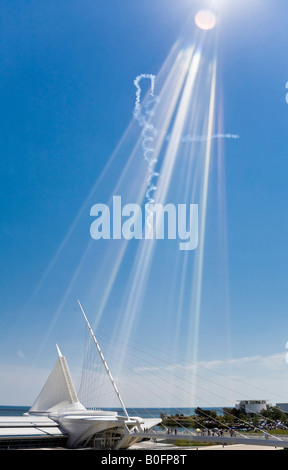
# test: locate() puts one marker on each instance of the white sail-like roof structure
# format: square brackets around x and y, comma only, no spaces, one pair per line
[57,414]
[58,391]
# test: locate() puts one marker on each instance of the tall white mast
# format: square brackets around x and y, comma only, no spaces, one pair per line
[103,360]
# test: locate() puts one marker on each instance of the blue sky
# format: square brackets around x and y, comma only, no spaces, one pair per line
[67,98]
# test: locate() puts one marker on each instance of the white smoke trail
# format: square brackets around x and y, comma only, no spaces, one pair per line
[203,138]
[137,109]
[149,132]
[148,135]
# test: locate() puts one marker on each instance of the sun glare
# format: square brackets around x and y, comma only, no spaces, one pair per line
[205,19]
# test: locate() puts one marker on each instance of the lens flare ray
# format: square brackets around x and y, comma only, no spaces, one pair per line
[164,156]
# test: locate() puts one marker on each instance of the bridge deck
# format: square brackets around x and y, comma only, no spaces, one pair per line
[281,442]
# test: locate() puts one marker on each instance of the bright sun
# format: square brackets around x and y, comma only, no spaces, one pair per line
[205,19]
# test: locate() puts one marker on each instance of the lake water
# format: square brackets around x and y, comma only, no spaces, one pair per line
[142,412]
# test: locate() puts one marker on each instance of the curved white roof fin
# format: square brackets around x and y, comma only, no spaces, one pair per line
[58,391]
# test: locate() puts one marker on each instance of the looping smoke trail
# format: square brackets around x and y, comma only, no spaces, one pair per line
[149,132]
[137,108]
[148,135]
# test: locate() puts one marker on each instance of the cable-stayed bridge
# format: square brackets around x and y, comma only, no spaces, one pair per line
[223,432]
[225,439]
